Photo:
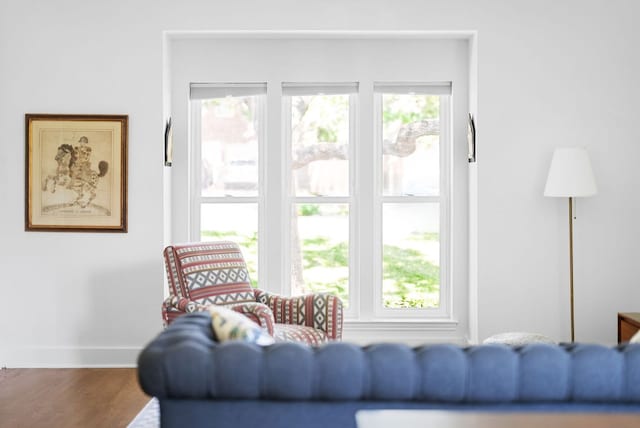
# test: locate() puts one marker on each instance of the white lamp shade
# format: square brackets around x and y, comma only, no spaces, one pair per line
[570,174]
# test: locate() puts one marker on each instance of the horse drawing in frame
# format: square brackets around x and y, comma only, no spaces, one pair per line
[74,172]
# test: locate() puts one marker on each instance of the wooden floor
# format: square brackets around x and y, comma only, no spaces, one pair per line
[89,398]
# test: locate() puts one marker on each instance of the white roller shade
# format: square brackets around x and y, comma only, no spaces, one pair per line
[435,88]
[291,89]
[204,91]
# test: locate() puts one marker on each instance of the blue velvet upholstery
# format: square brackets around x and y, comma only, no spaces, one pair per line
[232,382]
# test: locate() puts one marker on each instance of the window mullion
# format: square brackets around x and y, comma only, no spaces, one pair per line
[227,199]
[354,209]
[410,199]
[274,215]
[377,202]
[446,180]
[195,161]
[366,185]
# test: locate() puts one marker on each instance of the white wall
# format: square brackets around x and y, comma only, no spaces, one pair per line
[549,73]
[80,298]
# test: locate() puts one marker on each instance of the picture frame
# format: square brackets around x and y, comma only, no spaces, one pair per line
[76,173]
[471,139]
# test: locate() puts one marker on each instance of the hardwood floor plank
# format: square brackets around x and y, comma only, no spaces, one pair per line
[69,397]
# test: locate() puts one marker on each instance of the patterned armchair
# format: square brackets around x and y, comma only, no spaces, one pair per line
[215,273]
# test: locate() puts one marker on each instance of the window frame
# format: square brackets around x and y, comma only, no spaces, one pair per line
[290,199]
[444,200]
[359,309]
[196,200]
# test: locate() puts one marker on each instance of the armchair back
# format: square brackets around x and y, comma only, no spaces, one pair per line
[208,273]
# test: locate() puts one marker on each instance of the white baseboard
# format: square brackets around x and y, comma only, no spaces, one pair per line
[362,333]
[70,356]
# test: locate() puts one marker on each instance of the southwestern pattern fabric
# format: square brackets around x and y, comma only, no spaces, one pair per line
[175,306]
[205,274]
[257,312]
[208,273]
[321,311]
[298,333]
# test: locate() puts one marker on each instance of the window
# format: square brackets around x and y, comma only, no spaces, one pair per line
[412,139]
[319,131]
[228,135]
[334,202]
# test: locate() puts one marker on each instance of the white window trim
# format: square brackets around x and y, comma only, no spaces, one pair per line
[178,177]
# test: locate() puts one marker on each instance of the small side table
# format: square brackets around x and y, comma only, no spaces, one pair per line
[628,325]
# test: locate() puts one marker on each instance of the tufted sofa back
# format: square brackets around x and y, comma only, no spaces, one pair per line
[186,362]
[208,273]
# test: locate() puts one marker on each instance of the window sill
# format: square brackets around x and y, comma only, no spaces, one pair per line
[436,324]
[409,332]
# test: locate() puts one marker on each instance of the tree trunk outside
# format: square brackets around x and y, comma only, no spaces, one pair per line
[403,146]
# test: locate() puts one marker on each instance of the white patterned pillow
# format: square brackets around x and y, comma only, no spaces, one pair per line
[518,338]
[230,325]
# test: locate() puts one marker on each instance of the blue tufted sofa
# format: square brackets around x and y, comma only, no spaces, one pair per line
[200,382]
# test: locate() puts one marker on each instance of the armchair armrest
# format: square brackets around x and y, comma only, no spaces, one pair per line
[257,312]
[322,311]
[174,306]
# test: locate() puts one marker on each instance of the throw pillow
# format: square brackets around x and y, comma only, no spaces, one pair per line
[635,338]
[230,325]
[517,338]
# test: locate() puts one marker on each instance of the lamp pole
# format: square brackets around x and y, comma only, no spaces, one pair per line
[570,175]
[571,265]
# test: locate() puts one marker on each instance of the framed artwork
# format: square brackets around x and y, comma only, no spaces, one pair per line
[76,173]
[471,140]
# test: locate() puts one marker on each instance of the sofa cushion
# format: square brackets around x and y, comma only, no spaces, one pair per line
[230,325]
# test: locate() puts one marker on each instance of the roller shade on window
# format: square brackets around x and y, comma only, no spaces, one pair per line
[436,88]
[204,91]
[293,89]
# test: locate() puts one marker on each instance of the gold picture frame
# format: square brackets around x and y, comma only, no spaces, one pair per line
[76,173]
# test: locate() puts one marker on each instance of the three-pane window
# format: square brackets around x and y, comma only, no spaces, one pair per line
[323,204]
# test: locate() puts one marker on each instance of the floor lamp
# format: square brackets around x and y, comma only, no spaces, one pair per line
[570,176]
